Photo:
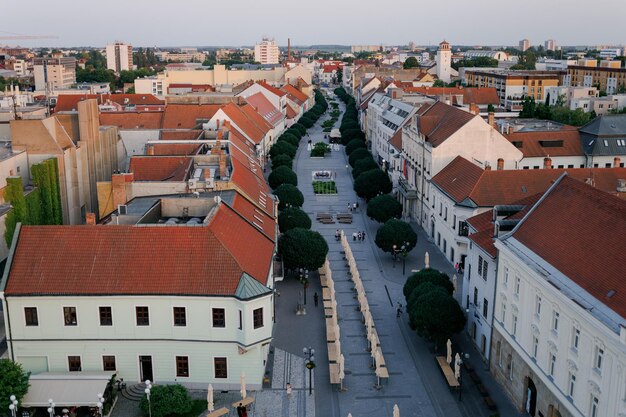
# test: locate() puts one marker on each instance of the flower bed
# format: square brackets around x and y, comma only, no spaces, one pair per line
[324,187]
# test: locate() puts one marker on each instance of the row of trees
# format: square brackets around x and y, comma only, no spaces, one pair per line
[298,245]
[559,113]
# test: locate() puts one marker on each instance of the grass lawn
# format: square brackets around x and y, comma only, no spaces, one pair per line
[324,187]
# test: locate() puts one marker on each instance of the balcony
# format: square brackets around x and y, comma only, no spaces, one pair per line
[406,189]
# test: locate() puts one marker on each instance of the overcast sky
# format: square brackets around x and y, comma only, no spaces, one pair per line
[244,22]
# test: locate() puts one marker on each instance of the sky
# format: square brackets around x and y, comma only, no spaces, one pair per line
[348,22]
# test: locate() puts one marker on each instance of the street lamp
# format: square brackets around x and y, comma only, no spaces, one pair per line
[100,404]
[404,252]
[51,407]
[309,362]
[304,279]
[147,391]
[13,405]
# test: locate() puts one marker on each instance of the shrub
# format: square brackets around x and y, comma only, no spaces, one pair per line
[13,381]
[291,218]
[395,232]
[288,196]
[320,149]
[166,400]
[351,134]
[282,160]
[384,207]
[357,155]
[353,145]
[282,175]
[324,187]
[363,165]
[294,132]
[283,148]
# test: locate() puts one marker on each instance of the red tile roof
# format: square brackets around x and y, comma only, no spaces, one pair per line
[265,108]
[580,231]
[462,180]
[132,120]
[295,92]
[272,89]
[160,168]
[542,143]
[254,127]
[187,116]
[68,102]
[396,140]
[258,218]
[291,113]
[439,121]
[477,95]
[171,149]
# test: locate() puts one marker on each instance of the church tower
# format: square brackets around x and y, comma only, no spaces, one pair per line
[444,61]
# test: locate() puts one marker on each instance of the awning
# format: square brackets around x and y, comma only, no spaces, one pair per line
[66,389]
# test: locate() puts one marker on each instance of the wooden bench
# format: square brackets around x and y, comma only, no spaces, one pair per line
[383,372]
[333,353]
[245,402]
[219,412]
[334,373]
[320,216]
[447,372]
[327,221]
[344,217]
[325,294]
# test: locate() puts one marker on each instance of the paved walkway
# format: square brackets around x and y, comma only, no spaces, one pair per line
[415,382]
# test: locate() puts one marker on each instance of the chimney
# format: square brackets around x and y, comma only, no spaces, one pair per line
[500,164]
[616,162]
[473,108]
[487,167]
[491,119]
[90,219]
[289,49]
[222,165]
[547,163]
[149,149]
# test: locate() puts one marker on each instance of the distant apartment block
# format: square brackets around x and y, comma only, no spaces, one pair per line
[610,53]
[266,52]
[119,57]
[550,45]
[524,44]
[608,77]
[54,73]
[364,48]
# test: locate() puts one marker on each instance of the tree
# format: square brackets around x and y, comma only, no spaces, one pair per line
[437,316]
[288,196]
[351,134]
[482,61]
[293,217]
[13,381]
[282,160]
[282,175]
[340,75]
[372,183]
[357,155]
[395,232]
[289,138]
[284,148]
[411,62]
[355,144]
[14,194]
[384,207]
[363,165]
[306,122]
[429,275]
[166,400]
[490,108]
[439,83]
[302,248]
[299,127]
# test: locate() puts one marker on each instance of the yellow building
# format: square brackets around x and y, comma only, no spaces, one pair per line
[513,86]
[609,76]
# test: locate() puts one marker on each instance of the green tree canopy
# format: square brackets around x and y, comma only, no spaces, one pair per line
[355,144]
[372,183]
[299,127]
[288,196]
[282,175]
[481,61]
[283,147]
[395,232]
[282,160]
[166,400]
[13,381]
[430,275]
[306,122]
[289,138]
[411,62]
[363,165]
[358,154]
[302,248]
[384,207]
[413,299]
[293,217]
[437,316]
[439,83]
[351,134]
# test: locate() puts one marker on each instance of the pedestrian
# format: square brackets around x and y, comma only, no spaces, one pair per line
[359,236]
[354,237]
[288,390]
[315,299]
[456,267]
[240,410]
[354,206]
[244,411]
[363,234]
[399,310]
[357,204]
[337,235]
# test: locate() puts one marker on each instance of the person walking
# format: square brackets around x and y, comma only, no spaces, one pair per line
[315,299]
[337,235]
[354,206]
[363,234]
[239,410]
[354,237]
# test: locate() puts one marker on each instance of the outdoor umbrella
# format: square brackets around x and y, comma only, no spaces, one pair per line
[449,355]
[457,366]
[337,331]
[209,399]
[396,411]
[244,393]
[426,260]
[378,357]
[342,364]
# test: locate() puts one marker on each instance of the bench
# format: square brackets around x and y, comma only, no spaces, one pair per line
[245,402]
[319,216]
[344,220]
[333,353]
[383,372]
[327,221]
[334,373]
[325,294]
[447,372]
[219,412]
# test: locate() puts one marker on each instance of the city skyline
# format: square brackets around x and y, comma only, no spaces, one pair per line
[149,26]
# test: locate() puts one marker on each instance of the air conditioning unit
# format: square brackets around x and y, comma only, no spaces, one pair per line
[122,209]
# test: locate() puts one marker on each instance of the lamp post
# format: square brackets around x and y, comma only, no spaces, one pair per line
[13,405]
[304,279]
[404,253]
[100,404]
[147,391]
[310,364]
[394,249]
[51,407]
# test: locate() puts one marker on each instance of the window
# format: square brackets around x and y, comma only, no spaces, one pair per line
[555,321]
[108,363]
[595,404]
[73,363]
[480,265]
[69,316]
[180,316]
[538,306]
[475,296]
[552,364]
[506,276]
[454,222]
[517,285]
[514,325]
[535,346]
[440,209]
[106,317]
[485,307]
[219,317]
[575,338]
[142,315]
[445,217]
[182,366]
[503,312]
[445,246]
[257,317]
[221,369]
[463,228]
[240,320]
[30,314]
[599,358]
[485,269]
[571,385]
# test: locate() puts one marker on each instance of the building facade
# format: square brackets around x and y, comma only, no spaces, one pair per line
[266,52]
[54,73]
[608,77]
[119,57]
[443,60]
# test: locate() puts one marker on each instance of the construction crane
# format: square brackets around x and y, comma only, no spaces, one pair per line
[16,36]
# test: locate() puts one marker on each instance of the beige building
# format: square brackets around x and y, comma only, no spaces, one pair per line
[608,77]
[119,57]
[54,73]
[524,45]
[86,153]
[267,52]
